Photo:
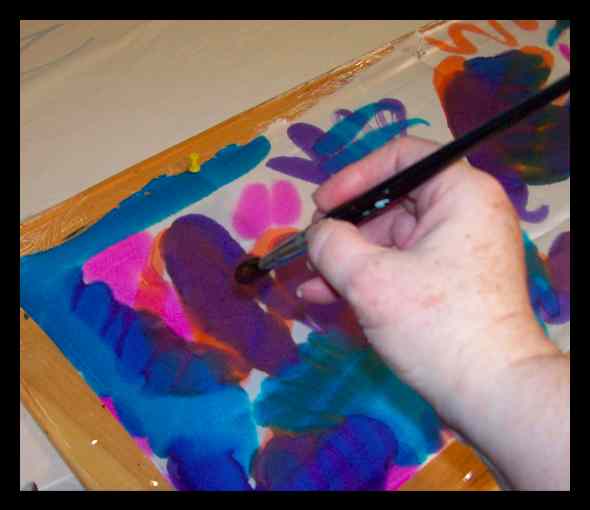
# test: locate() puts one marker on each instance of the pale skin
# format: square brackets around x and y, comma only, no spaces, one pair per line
[438,285]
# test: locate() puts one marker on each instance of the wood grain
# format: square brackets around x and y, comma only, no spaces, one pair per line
[95,445]
[456,468]
[56,224]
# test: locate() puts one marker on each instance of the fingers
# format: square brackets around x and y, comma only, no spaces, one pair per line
[318,291]
[429,204]
[374,169]
[391,229]
[383,230]
[337,250]
[402,230]
[379,230]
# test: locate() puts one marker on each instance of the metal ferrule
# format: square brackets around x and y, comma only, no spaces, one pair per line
[291,248]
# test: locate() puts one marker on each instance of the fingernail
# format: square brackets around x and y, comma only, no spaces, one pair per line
[299,292]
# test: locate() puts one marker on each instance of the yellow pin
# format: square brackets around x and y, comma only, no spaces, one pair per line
[195,162]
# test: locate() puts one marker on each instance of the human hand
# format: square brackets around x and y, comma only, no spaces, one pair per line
[438,283]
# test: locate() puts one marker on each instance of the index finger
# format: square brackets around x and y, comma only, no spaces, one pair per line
[363,175]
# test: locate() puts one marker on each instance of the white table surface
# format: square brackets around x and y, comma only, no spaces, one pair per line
[100,96]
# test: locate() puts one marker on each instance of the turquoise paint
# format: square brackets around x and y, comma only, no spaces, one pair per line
[332,381]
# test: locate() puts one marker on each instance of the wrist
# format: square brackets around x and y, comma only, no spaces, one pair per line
[483,374]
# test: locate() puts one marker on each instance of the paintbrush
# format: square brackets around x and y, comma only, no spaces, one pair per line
[388,193]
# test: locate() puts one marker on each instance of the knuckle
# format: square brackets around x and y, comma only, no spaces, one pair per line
[495,203]
[488,185]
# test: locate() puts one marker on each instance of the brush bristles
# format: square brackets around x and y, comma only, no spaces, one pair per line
[248,271]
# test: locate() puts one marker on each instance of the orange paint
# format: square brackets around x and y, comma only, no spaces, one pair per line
[547,56]
[562,101]
[271,237]
[464,46]
[240,367]
[267,435]
[153,295]
[152,289]
[448,68]
[445,72]
[548,61]
[156,259]
[527,24]
[521,168]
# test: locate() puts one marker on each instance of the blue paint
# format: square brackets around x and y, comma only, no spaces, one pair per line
[191,469]
[180,398]
[360,149]
[561,25]
[331,151]
[495,71]
[542,295]
[535,151]
[161,389]
[215,416]
[147,349]
[346,130]
[354,455]
[333,380]
[167,195]
[212,422]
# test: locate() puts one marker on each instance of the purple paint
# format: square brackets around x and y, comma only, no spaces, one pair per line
[330,151]
[533,152]
[354,455]
[200,258]
[304,136]
[558,265]
[564,49]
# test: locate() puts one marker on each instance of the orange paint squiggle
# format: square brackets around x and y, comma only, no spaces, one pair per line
[527,24]
[270,239]
[464,46]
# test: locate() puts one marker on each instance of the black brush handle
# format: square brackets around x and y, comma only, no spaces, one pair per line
[374,201]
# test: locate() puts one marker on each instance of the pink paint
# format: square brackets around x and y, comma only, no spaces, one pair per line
[108,404]
[159,297]
[398,475]
[258,208]
[125,268]
[564,49]
[252,215]
[175,317]
[286,205]
[120,266]
[144,445]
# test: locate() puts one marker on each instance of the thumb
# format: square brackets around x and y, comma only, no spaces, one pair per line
[339,251]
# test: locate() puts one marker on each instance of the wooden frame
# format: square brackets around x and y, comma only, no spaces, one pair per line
[95,446]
